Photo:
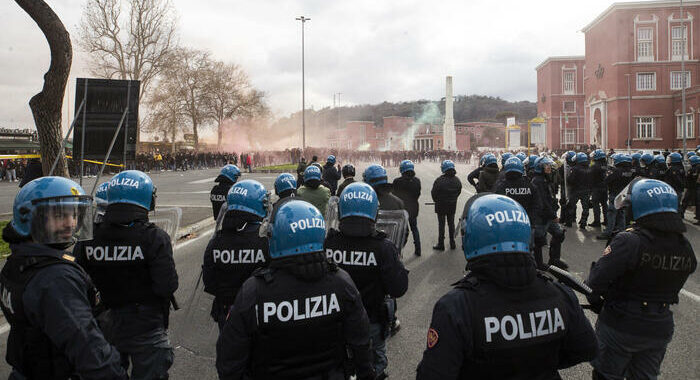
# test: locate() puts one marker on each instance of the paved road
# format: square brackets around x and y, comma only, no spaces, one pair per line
[194,334]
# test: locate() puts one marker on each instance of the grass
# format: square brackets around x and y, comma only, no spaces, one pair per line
[278,168]
[4,246]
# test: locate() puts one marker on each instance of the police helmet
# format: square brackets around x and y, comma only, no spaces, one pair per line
[505,156]
[248,196]
[514,165]
[570,156]
[690,154]
[636,157]
[53,210]
[490,159]
[494,223]
[312,172]
[597,155]
[646,159]
[541,162]
[581,158]
[348,170]
[530,161]
[296,228]
[647,196]
[447,165]
[285,182]
[358,199]
[375,175]
[101,192]
[694,160]
[621,158]
[406,166]
[522,156]
[132,187]
[675,158]
[331,159]
[659,159]
[230,172]
[482,159]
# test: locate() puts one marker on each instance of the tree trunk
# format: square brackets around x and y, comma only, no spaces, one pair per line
[220,132]
[196,135]
[46,105]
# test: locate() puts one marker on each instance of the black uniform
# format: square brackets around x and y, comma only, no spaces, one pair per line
[446,190]
[599,193]
[474,175]
[517,187]
[675,176]
[48,301]
[300,173]
[657,171]
[218,194]
[387,200]
[545,222]
[639,277]
[620,176]
[484,328]
[345,182]
[691,183]
[487,178]
[230,258]
[331,175]
[131,262]
[294,319]
[407,187]
[579,181]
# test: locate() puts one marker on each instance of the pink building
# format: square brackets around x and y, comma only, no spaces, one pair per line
[631,79]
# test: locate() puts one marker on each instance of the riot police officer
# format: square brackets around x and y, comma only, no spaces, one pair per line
[47,298]
[620,176]
[516,186]
[484,328]
[295,318]
[474,174]
[446,189]
[599,193]
[331,175]
[348,172]
[488,176]
[547,222]
[301,167]
[529,164]
[692,190]
[566,195]
[227,177]
[407,187]
[236,250]
[131,262]
[636,164]
[675,174]
[645,164]
[580,182]
[375,176]
[658,167]
[635,282]
[285,186]
[312,191]
[371,260]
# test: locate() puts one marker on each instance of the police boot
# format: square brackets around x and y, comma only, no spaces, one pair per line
[596,223]
[439,247]
[453,245]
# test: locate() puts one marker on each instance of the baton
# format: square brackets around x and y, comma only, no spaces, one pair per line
[173,302]
[429,203]
[569,280]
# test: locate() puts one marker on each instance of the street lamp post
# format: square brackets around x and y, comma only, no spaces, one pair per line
[303,93]
[683,84]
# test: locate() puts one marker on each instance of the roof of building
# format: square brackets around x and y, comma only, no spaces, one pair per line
[638,5]
[561,58]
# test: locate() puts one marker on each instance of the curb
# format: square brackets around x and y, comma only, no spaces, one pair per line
[194,228]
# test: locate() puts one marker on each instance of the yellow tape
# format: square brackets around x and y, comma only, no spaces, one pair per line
[17,156]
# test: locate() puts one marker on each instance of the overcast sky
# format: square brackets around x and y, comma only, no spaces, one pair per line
[369,50]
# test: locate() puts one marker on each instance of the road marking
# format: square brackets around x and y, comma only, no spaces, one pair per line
[180,246]
[206,180]
[691,295]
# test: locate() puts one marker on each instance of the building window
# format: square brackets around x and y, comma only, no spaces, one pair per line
[679,42]
[690,131]
[569,136]
[646,81]
[646,128]
[569,80]
[645,44]
[677,80]
[569,107]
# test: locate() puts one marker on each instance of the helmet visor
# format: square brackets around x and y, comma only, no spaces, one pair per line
[63,220]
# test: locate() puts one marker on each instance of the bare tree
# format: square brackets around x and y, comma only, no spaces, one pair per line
[229,95]
[136,46]
[46,105]
[166,114]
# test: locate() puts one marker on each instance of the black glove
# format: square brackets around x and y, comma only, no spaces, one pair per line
[596,302]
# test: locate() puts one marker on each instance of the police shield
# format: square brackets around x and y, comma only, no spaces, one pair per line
[220,218]
[394,223]
[332,218]
[167,219]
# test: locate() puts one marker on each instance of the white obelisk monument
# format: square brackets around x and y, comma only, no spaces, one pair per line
[449,136]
